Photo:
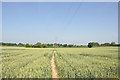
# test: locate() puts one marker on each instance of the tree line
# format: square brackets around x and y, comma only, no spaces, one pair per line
[96,44]
[40,45]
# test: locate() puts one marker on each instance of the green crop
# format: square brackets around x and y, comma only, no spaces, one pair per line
[26,62]
[98,62]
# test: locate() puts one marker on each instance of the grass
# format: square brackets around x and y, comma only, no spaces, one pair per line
[98,62]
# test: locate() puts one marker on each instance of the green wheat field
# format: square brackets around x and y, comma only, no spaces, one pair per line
[96,62]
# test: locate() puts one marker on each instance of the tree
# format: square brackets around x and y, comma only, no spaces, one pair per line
[37,45]
[28,45]
[95,44]
[44,45]
[20,44]
[70,45]
[50,45]
[113,44]
[55,45]
[106,44]
[118,44]
[64,45]
[90,45]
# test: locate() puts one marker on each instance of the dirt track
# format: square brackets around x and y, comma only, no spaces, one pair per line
[54,70]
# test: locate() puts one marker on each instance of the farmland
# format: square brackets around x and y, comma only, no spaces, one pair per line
[99,62]
[87,62]
[24,63]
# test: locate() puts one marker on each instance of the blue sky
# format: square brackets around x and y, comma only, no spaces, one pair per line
[62,22]
[0,21]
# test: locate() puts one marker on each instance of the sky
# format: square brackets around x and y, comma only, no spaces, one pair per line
[60,22]
[0,21]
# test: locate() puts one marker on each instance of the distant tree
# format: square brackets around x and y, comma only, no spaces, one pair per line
[44,45]
[113,44]
[20,44]
[9,44]
[37,45]
[64,45]
[70,45]
[93,44]
[0,43]
[55,45]
[90,45]
[106,44]
[59,45]
[74,45]
[50,45]
[77,46]
[28,45]
[118,44]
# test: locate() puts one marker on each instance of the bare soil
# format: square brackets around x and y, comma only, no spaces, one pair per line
[54,70]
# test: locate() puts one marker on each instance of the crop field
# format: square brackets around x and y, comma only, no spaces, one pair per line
[26,63]
[87,62]
[99,62]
